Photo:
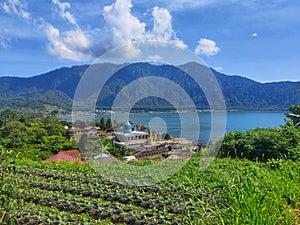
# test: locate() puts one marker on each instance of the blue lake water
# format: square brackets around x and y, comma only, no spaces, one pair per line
[173,124]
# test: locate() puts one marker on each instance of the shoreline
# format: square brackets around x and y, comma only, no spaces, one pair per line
[107,112]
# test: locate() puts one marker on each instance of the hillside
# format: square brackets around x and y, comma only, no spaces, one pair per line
[227,192]
[58,87]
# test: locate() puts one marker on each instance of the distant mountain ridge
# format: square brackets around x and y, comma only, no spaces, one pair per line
[57,88]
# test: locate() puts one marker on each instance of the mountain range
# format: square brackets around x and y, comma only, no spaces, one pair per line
[57,88]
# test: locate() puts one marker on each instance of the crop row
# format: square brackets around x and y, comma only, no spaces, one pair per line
[117,213]
[82,177]
[121,194]
[30,214]
[91,181]
[87,194]
[172,201]
[149,202]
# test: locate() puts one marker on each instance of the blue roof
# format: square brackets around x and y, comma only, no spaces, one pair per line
[127,126]
[102,156]
[131,133]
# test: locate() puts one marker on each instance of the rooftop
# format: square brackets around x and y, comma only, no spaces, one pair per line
[131,133]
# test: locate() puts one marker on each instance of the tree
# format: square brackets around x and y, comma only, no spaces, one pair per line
[294,114]
[79,123]
[167,136]
[262,143]
[108,125]
[102,124]
[6,116]
[26,137]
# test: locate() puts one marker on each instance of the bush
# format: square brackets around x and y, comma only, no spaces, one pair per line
[262,144]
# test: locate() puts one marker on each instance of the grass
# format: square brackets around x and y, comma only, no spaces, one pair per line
[230,191]
[251,193]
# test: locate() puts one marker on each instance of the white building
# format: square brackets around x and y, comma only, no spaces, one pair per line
[128,135]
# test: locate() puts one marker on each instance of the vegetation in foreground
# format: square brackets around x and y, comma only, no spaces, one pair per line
[229,191]
[256,181]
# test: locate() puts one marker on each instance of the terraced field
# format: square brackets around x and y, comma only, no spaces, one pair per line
[53,196]
[40,193]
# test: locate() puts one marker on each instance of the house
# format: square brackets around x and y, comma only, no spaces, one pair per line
[129,136]
[71,156]
[130,158]
[76,130]
[92,132]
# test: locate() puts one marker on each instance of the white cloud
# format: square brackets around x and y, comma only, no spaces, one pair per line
[206,47]
[15,7]
[72,45]
[254,35]
[162,24]
[62,9]
[218,68]
[154,58]
[121,27]
[127,28]
[124,26]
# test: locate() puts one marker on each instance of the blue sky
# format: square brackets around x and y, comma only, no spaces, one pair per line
[258,39]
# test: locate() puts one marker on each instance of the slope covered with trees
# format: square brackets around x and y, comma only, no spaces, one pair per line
[25,135]
[57,88]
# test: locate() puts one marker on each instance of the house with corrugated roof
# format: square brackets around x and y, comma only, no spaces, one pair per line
[71,156]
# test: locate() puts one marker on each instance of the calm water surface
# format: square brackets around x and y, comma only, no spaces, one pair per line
[234,121]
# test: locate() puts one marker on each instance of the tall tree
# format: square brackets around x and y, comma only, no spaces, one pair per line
[102,124]
[108,125]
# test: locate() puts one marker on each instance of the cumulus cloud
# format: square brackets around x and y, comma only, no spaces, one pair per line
[121,28]
[72,45]
[206,47]
[162,24]
[62,9]
[15,7]
[124,26]
[127,28]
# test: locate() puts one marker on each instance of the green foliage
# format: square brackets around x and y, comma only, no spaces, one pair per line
[108,125]
[102,124]
[262,144]
[80,124]
[33,138]
[116,151]
[57,88]
[294,114]
[227,192]
[167,136]
[295,109]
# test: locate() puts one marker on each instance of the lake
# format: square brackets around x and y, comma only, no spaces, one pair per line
[171,122]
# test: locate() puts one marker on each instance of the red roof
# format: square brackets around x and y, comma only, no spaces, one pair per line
[70,156]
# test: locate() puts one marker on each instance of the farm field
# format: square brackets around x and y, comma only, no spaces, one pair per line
[229,191]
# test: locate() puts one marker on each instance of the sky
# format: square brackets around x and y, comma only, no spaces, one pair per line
[258,39]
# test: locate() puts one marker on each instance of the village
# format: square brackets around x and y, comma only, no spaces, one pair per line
[138,142]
